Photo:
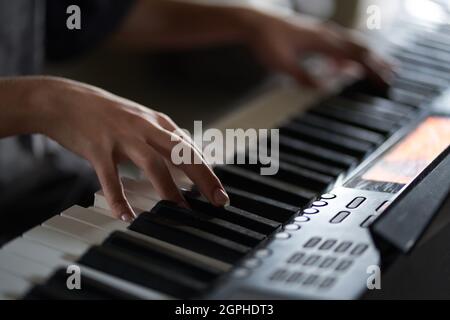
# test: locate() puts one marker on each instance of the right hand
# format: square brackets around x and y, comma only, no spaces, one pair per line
[106,129]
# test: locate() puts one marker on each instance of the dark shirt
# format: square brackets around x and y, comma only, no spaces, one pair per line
[30,32]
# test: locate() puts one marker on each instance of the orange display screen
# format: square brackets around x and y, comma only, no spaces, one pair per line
[402,163]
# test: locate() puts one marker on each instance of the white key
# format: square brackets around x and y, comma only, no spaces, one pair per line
[39,252]
[92,218]
[57,240]
[101,223]
[12,287]
[22,267]
[137,202]
[77,229]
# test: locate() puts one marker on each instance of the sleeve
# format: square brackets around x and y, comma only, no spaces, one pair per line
[99,18]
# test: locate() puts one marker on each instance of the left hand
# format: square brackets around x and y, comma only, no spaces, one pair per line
[280,41]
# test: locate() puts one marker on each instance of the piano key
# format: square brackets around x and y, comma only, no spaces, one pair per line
[87,216]
[77,229]
[290,173]
[342,128]
[12,287]
[189,238]
[22,267]
[171,261]
[310,164]
[233,214]
[266,207]
[217,226]
[120,264]
[57,240]
[418,60]
[297,147]
[139,203]
[375,106]
[103,222]
[386,105]
[356,118]
[263,185]
[407,85]
[54,258]
[330,140]
[39,252]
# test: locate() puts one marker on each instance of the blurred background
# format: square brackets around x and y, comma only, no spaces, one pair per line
[207,84]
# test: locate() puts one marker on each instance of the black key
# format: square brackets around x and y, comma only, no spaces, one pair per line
[201,242]
[415,87]
[168,212]
[380,108]
[135,270]
[238,216]
[327,139]
[263,185]
[422,61]
[143,250]
[265,207]
[342,128]
[360,119]
[289,173]
[328,157]
[310,164]
[385,105]
[407,97]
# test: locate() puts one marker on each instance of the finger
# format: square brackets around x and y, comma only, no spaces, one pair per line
[289,63]
[167,123]
[113,189]
[196,169]
[155,169]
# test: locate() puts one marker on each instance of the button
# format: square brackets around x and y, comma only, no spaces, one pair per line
[279,275]
[252,263]
[359,249]
[282,235]
[312,242]
[382,206]
[301,219]
[327,244]
[328,196]
[311,211]
[327,283]
[344,265]
[311,260]
[338,218]
[296,257]
[343,246]
[292,227]
[310,280]
[241,273]
[327,262]
[319,203]
[295,277]
[368,221]
[263,253]
[355,203]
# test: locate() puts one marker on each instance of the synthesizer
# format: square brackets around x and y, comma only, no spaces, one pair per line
[304,233]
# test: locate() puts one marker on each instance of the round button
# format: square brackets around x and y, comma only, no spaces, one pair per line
[292,227]
[328,196]
[262,253]
[311,211]
[282,235]
[252,263]
[301,219]
[241,273]
[319,203]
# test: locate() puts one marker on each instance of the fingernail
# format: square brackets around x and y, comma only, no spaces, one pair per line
[221,198]
[126,217]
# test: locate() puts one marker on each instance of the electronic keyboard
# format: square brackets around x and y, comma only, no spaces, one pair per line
[304,233]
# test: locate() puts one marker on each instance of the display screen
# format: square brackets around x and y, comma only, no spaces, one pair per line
[402,163]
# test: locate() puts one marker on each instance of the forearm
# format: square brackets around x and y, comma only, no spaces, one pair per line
[167,24]
[19,112]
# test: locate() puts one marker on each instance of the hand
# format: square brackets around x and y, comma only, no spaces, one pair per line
[106,129]
[281,40]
